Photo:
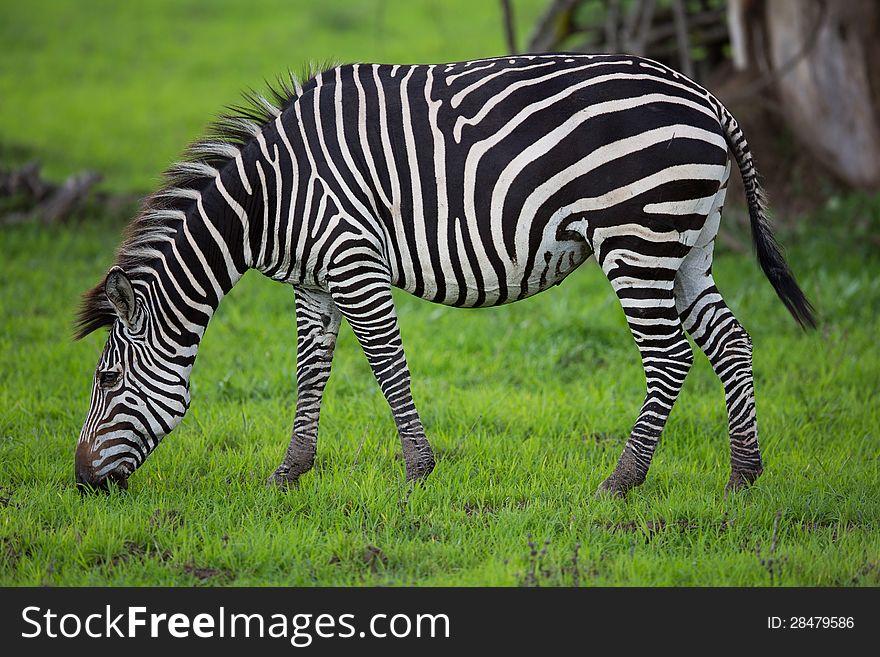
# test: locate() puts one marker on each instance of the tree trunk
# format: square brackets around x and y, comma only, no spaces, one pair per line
[827,58]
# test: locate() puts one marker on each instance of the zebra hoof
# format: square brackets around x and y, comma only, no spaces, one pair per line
[741,480]
[419,473]
[283,479]
[612,487]
[625,477]
[419,459]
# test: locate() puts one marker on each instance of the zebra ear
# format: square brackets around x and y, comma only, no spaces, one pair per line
[120,293]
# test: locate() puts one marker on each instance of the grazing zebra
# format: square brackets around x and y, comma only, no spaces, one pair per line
[468,184]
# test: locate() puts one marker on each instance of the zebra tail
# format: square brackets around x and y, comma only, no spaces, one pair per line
[768,250]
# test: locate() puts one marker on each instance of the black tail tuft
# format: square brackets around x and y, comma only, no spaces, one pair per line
[776,269]
[767,248]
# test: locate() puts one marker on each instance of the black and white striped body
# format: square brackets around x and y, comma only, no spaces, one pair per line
[468,184]
[484,182]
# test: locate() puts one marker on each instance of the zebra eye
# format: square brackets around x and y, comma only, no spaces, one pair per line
[108,379]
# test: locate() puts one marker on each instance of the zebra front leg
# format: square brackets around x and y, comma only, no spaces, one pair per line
[317,325]
[650,311]
[369,308]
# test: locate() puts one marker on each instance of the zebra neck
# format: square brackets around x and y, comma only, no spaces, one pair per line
[201,260]
[247,217]
[274,188]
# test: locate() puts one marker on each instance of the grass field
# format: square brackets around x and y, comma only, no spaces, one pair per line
[527,406]
[121,87]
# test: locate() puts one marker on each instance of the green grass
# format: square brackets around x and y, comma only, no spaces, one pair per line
[121,87]
[527,406]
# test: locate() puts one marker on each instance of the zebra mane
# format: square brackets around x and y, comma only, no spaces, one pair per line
[163,211]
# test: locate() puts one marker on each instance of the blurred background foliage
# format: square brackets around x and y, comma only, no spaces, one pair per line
[121,87]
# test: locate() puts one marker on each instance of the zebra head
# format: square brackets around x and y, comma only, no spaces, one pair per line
[139,393]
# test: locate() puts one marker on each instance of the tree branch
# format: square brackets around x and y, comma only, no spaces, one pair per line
[612,42]
[772,76]
[686,64]
[553,26]
[509,29]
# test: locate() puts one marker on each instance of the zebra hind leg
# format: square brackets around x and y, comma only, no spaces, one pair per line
[317,325]
[373,320]
[649,306]
[720,336]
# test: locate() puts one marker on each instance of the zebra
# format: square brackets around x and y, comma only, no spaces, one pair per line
[469,184]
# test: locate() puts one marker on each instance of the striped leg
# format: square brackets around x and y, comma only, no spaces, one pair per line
[650,311]
[317,325]
[712,325]
[365,301]
[717,332]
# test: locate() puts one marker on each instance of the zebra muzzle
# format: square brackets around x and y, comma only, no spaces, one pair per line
[88,481]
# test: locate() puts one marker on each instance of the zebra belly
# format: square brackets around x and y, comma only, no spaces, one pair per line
[553,265]
[483,287]
[562,248]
